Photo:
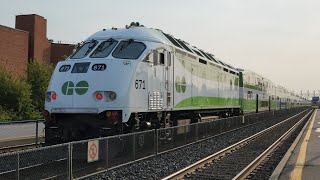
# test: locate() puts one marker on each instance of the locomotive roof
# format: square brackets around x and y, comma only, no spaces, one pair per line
[155,35]
[140,33]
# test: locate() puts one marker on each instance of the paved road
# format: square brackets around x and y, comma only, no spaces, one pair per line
[12,131]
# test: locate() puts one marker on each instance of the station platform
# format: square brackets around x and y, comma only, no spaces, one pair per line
[302,161]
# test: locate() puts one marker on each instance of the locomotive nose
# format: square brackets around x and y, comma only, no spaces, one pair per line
[88,87]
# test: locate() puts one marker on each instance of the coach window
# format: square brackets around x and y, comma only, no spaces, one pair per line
[156,57]
[149,57]
[152,57]
[104,49]
[129,49]
[84,50]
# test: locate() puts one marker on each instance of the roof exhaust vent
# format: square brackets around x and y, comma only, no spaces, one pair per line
[134,24]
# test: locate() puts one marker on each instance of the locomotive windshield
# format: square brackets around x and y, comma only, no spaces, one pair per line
[84,50]
[104,49]
[129,49]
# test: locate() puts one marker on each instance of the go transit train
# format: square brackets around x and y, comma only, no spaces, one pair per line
[127,79]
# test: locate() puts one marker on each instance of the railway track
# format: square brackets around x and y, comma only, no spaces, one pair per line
[20,147]
[20,143]
[243,159]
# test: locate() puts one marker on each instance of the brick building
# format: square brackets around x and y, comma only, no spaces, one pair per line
[29,42]
[14,49]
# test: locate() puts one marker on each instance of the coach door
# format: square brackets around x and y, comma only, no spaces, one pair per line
[220,89]
[168,57]
[160,80]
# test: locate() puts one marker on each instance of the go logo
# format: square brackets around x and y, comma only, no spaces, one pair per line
[80,88]
[181,84]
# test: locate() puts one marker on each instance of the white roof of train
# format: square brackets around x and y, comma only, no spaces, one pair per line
[139,33]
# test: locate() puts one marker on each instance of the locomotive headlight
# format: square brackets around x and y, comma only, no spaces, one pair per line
[108,113]
[113,115]
[110,96]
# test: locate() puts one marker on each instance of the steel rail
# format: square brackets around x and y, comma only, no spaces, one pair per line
[255,163]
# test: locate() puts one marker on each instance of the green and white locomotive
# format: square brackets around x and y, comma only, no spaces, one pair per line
[126,79]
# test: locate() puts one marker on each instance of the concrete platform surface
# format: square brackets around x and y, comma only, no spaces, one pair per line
[304,160]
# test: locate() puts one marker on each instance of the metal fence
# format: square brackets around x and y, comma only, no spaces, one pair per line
[80,159]
[18,133]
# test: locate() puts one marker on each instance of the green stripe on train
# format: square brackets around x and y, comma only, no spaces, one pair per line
[250,105]
[203,101]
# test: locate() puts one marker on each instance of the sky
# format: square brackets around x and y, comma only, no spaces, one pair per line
[279,39]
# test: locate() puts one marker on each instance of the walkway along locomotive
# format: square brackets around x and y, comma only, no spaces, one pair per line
[126,79]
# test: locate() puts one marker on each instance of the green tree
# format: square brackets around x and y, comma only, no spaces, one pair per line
[15,102]
[6,115]
[38,76]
